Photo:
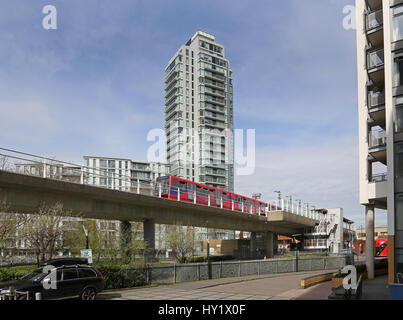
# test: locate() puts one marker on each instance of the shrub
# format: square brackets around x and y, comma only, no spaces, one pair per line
[203,258]
[14,273]
[122,276]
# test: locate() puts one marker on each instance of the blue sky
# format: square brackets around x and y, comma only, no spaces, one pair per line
[95,85]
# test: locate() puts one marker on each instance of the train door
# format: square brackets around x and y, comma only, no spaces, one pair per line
[183,190]
[218,195]
[191,191]
[199,192]
[173,192]
[212,196]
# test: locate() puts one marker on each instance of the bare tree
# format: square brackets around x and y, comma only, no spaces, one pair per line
[4,163]
[10,223]
[43,231]
[182,240]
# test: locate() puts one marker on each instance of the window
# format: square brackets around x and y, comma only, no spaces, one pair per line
[175,183]
[86,273]
[399,114]
[69,274]
[398,72]
[199,190]
[397,24]
[399,160]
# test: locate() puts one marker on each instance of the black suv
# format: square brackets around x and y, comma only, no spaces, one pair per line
[69,281]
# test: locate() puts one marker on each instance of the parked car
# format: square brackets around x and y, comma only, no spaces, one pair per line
[72,281]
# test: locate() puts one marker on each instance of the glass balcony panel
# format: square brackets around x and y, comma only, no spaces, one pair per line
[375,59]
[374,20]
[377,139]
[376,98]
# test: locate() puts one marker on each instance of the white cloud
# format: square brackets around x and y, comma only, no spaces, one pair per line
[324,176]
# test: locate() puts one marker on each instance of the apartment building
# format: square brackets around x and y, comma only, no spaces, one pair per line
[380,108]
[334,233]
[123,174]
[199,113]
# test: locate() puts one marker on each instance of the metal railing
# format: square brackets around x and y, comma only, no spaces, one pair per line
[293,207]
[380,177]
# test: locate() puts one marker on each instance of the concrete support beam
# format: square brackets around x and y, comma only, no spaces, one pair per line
[149,239]
[270,244]
[125,240]
[253,245]
[370,239]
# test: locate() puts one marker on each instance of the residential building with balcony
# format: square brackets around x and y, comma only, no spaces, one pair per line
[380,109]
[334,234]
[199,113]
[123,174]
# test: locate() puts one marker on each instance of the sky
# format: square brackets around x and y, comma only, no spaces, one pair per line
[95,85]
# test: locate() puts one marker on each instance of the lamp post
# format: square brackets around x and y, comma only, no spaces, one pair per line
[256,196]
[208,253]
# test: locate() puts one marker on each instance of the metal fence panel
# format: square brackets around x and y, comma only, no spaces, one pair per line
[162,274]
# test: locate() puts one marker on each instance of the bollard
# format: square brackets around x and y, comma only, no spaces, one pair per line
[38,296]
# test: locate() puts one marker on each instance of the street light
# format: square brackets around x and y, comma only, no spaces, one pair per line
[279,194]
[208,253]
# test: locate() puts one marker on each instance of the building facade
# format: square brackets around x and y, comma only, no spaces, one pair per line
[334,233]
[123,174]
[380,106]
[199,113]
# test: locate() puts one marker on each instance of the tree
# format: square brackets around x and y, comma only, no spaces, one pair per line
[10,223]
[43,231]
[4,163]
[182,240]
[103,239]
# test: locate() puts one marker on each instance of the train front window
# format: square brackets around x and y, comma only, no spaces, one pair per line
[211,193]
[175,183]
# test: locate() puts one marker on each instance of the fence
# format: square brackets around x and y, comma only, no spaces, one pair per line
[175,273]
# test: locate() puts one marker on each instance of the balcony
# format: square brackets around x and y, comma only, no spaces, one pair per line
[375,4]
[377,145]
[212,99]
[376,107]
[213,123]
[380,177]
[375,67]
[213,84]
[374,28]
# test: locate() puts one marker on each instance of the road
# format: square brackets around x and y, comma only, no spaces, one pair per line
[277,287]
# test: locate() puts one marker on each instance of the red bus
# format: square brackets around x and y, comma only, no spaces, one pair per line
[188,191]
[381,249]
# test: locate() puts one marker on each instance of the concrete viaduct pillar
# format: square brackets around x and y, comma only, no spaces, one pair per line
[252,245]
[125,240]
[270,244]
[370,240]
[149,239]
